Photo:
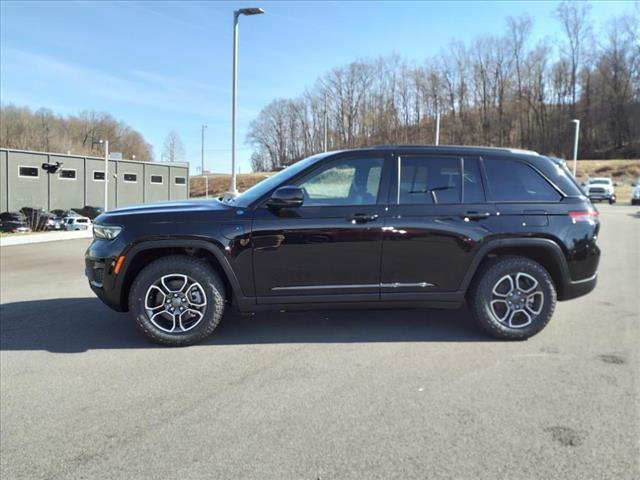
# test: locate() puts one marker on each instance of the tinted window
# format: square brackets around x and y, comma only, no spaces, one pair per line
[68,174]
[130,177]
[28,171]
[343,182]
[429,180]
[156,178]
[512,181]
[181,181]
[473,192]
[98,175]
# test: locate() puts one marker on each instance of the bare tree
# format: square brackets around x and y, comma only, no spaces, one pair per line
[574,18]
[43,130]
[173,149]
[497,90]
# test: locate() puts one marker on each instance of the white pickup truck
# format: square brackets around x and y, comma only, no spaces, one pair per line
[600,188]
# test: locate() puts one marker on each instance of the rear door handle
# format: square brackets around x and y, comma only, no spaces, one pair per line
[362,218]
[476,215]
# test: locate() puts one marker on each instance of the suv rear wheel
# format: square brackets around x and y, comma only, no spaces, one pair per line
[177,300]
[512,298]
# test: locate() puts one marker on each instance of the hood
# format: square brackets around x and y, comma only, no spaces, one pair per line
[163,209]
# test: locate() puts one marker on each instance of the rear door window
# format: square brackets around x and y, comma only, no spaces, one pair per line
[514,181]
[429,180]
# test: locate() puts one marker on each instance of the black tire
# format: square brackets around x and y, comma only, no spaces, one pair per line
[481,295]
[612,200]
[197,270]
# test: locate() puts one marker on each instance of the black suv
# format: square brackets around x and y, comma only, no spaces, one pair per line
[506,231]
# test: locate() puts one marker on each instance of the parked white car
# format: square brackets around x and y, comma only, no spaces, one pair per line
[600,188]
[635,194]
[77,223]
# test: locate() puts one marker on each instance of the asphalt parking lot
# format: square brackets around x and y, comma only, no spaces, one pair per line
[329,395]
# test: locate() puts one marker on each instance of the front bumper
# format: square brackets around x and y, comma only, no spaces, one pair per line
[100,260]
[103,282]
[601,196]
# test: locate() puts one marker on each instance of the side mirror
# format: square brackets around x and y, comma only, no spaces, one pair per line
[286,197]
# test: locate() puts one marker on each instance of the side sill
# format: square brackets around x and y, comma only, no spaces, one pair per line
[355,306]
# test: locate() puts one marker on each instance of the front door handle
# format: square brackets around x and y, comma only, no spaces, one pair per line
[476,215]
[362,218]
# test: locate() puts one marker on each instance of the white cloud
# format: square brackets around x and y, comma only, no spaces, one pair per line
[141,88]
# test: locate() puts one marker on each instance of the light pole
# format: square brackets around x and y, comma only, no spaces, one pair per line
[575,145]
[106,171]
[206,180]
[236,14]
[437,129]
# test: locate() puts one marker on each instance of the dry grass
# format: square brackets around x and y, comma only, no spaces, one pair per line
[219,183]
[624,172]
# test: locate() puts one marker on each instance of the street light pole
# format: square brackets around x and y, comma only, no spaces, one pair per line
[236,14]
[206,180]
[437,128]
[575,145]
[106,175]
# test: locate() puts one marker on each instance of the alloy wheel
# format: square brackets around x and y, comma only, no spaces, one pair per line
[516,299]
[175,303]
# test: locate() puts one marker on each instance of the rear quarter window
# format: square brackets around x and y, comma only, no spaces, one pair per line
[514,181]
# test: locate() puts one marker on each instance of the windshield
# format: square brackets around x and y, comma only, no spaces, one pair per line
[599,182]
[259,189]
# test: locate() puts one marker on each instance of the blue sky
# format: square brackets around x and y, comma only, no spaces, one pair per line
[162,66]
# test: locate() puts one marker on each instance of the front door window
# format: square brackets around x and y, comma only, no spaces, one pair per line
[343,183]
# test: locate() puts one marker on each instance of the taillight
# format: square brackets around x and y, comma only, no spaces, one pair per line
[584,216]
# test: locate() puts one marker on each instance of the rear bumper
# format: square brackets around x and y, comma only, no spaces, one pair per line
[575,289]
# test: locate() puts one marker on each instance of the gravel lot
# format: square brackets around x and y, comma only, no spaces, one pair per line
[329,395]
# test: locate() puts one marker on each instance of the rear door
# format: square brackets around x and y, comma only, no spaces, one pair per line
[437,219]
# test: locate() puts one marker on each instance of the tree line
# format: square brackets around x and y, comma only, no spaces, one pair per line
[42,130]
[498,90]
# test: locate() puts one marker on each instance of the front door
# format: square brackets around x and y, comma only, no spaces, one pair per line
[328,249]
[437,220]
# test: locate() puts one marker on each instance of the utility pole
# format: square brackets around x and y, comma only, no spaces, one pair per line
[575,146]
[326,124]
[206,179]
[437,128]
[106,170]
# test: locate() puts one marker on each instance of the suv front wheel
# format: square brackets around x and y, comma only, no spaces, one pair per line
[177,300]
[512,298]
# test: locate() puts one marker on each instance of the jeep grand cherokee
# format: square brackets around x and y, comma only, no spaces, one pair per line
[508,232]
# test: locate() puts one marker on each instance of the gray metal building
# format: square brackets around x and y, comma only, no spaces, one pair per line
[80,181]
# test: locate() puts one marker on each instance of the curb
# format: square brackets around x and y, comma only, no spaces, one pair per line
[44,237]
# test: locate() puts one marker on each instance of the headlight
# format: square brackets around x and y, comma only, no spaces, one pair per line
[108,232]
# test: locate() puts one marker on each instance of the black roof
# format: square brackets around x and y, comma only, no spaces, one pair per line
[449,148]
